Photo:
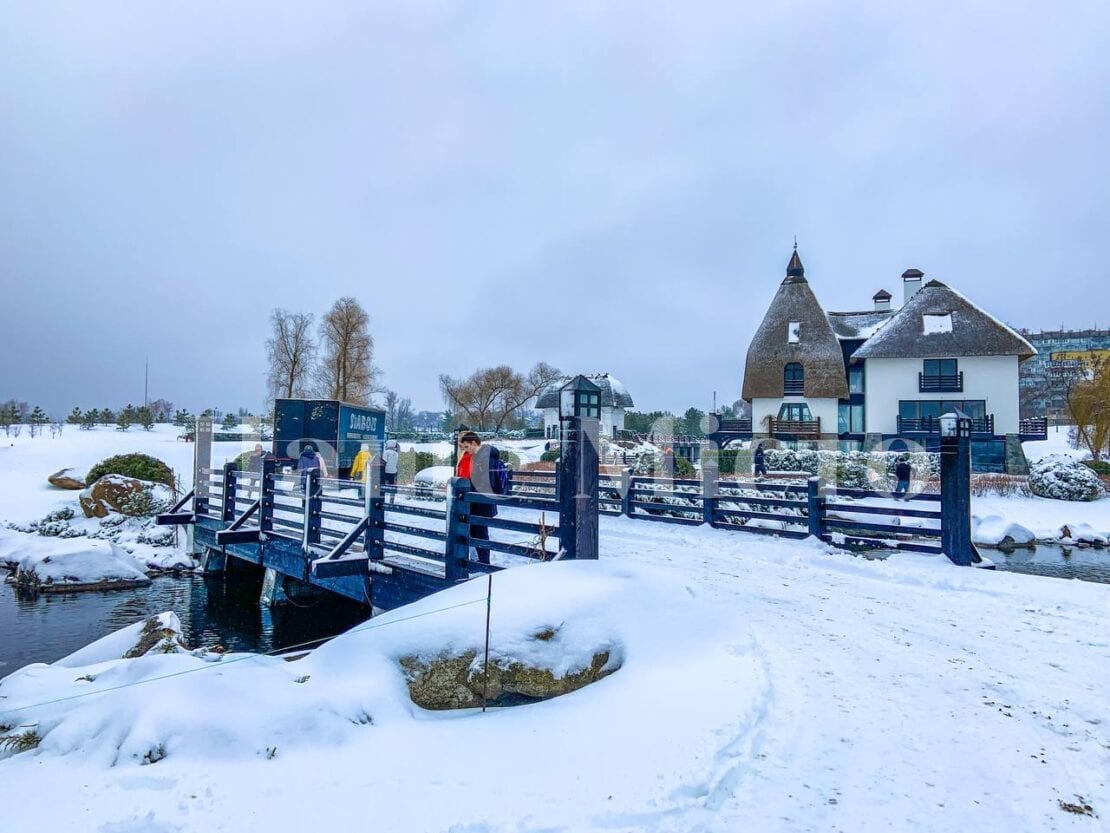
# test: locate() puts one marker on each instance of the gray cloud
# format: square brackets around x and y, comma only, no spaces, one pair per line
[605,187]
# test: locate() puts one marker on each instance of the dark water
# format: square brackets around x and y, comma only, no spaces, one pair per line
[214,610]
[1088,564]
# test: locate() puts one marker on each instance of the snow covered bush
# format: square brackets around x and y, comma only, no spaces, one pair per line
[852,469]
[138,466]
[1063,478]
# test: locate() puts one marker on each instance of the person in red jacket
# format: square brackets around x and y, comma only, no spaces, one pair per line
[474,466]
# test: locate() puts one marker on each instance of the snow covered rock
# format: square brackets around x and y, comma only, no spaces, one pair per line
[125,495]
[1082,534]
[159,634]
[457,681]
[65,479]
[1062,478]
[63,564]
[996,531]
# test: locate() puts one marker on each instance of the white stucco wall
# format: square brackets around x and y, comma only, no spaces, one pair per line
[825,409]
[609,418]
[992,378]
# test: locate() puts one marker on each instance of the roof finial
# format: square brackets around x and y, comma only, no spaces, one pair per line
[795,242]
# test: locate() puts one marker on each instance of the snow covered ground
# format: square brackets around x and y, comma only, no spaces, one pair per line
[765,685]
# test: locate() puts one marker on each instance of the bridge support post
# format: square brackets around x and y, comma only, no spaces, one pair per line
[273,589]
[578,475]
[955,493]
[710,477]
[212,561]
[457,555]
[815,507]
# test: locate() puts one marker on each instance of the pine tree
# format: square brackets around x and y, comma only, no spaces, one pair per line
[90,419]
[181,418]
[123,421]
[38,419]
[230,421]
[107,417]
[145,418]
[75,417]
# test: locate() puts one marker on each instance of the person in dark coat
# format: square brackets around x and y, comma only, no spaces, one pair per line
[475,465]
[903,471]
[760,461]
[310,461]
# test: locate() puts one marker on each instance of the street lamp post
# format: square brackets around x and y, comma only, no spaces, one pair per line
[579,421]
[955,488]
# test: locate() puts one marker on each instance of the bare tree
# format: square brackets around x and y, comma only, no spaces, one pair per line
[491,396]
[346,370]
[404,415]
[391,400]
[291,351]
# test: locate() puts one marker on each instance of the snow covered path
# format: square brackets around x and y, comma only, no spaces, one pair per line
[805,689]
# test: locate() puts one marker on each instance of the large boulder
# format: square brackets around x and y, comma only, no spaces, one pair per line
[459,681]
[66,479]
[110,493]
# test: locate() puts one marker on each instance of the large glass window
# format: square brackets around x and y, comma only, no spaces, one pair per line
[855,379]
[931,409]
[849,418]
[795,412]
[793,378]
[940,367]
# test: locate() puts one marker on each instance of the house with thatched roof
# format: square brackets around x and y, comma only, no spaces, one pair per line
[883,376]
[615,401]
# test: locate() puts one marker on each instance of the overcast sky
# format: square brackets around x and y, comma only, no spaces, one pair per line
[604,187]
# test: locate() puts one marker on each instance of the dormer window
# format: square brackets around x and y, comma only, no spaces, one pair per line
[794,332]
[793,379]
[936,324]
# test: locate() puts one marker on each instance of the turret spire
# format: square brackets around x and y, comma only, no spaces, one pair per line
[794,268]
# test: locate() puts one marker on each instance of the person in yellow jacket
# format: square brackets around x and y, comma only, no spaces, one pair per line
[360,468]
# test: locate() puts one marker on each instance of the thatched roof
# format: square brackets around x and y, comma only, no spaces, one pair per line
[938,322]
[850,326]
[613,392]
[816,347]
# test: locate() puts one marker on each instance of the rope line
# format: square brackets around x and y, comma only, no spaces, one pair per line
[234,660]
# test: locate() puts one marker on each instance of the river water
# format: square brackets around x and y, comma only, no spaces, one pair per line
[224,610]
[214,610]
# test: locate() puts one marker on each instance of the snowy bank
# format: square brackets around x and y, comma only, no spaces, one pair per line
[68,564]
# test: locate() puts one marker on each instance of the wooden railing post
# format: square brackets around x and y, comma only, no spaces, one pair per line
[710,478]
[374,538]
[266,496]
[626,491]
[312,507]
[955,497]
[228,509]
[815,507]
[457,553]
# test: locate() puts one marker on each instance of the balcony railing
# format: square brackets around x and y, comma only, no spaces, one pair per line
[940,382]
[1033,428]
[931,425]
[796,427]
[738,426]
[794,387]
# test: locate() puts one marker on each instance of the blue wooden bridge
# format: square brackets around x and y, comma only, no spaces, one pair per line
[383,546]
